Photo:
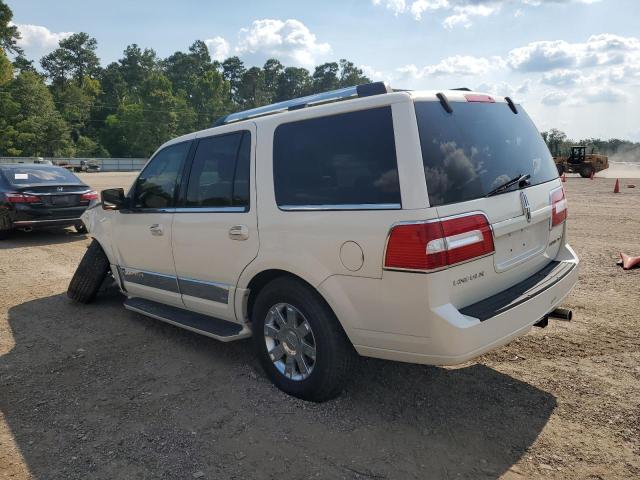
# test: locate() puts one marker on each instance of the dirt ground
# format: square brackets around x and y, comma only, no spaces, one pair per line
[99,392]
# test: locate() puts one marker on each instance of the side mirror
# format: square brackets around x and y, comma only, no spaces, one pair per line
[113,199]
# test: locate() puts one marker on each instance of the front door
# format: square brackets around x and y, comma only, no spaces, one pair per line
[142,233]
[215,228]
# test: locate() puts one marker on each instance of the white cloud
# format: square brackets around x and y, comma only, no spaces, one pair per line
[373,74]
[598,50]
[462,15]
[457,65]
[553,98]
[37,40]
[461,12]
[290,41]
[218,47]
[505,89]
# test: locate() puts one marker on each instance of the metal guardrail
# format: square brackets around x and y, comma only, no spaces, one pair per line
[105,164]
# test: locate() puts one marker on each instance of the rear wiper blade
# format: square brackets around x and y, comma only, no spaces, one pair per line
[521,180]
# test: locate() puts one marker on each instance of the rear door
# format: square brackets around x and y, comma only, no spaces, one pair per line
[215,229]
[467,154]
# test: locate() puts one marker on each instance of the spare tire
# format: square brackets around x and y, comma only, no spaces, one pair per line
[90,274]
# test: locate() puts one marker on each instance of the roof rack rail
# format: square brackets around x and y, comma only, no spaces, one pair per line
[464,89]
[366,90]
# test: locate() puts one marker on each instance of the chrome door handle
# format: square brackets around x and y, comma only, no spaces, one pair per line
[156,230]
[239,232]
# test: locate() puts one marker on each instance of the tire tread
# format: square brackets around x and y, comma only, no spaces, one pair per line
[89,275]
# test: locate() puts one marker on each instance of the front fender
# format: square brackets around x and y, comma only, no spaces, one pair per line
[99,223]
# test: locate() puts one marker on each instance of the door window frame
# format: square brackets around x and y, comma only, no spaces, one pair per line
[177,188]
[181,199]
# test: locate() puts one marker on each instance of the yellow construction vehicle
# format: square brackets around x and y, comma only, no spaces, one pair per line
[579,161]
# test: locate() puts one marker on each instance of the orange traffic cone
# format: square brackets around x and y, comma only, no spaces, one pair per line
[564,177]
[592,175]
[616,189]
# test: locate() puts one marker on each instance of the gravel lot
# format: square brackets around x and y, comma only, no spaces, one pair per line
[99,392]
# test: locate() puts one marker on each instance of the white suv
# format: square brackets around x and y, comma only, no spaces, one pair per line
[425,227]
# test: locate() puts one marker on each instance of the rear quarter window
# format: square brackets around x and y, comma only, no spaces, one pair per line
[345,161]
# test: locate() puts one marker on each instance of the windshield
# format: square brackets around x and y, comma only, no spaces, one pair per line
[478,147]
[28,175]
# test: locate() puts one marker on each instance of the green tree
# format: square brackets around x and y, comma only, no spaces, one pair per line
[9,34]
[273,70]
[23,64]
[232,71]
[75,58]
[350,74]
[40,129]
[251,92]
[293,82]
[325,77]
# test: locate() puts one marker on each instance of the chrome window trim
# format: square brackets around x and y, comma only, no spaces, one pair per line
[211,210]
[365,206]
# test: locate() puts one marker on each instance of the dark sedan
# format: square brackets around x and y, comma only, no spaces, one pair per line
[35,196]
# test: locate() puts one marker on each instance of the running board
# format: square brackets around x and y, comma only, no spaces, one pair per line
[196,322]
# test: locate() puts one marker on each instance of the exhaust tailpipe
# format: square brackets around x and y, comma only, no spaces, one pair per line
[562,314]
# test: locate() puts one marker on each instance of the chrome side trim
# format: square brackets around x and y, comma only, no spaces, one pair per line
[54,194]
[213,291]
[210,209]
[150,279]
[30,222]
[367,206]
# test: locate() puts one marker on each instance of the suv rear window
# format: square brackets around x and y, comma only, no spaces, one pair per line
[478,147]
[345,161]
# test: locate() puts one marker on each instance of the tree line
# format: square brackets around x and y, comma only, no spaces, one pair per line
[615,148]
[73,107]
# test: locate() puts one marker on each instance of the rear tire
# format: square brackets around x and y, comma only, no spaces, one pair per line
[4,234]
[333,357]
[560,170]
[80,228]
[90,274]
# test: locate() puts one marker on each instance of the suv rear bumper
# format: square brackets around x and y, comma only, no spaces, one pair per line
[452,335]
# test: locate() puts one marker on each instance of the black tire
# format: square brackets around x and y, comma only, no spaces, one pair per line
[80,228]
[4,234]
[90,274]
[585,171]
[560,170]
[335,356]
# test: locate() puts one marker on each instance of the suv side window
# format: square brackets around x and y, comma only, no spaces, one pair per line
[346,161]
[220,172]
[156,185]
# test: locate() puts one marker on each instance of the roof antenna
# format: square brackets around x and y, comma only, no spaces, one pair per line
[444,102]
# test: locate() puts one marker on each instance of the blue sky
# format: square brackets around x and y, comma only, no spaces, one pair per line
[574,64]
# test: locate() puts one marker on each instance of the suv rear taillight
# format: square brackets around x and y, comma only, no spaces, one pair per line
[21,198]
[437,244]
[558,207]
